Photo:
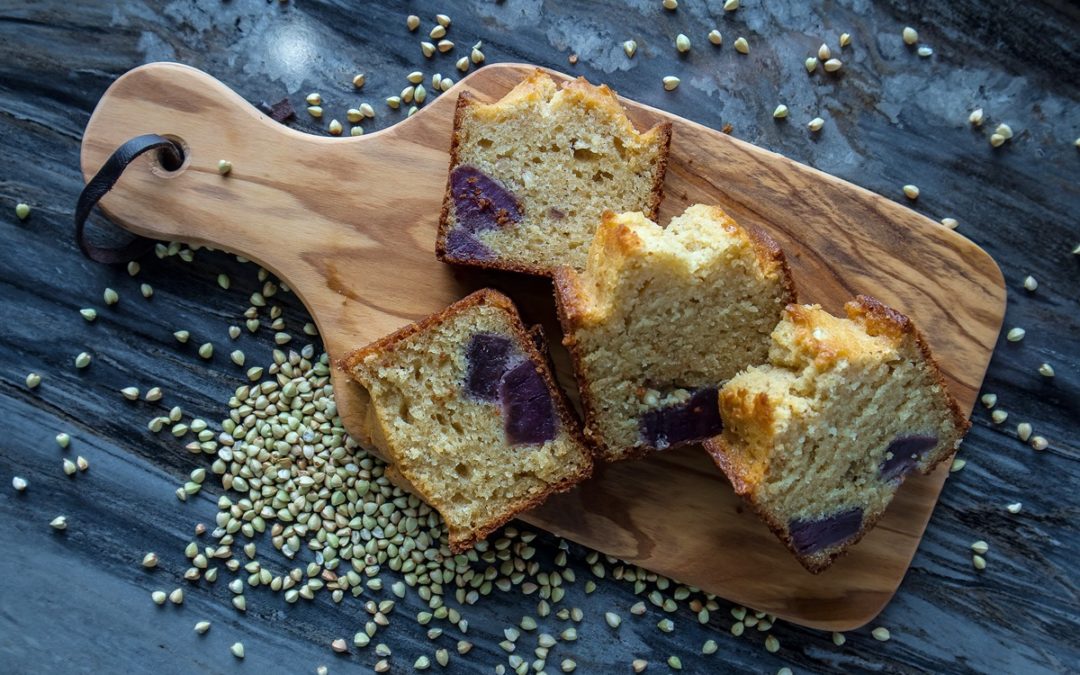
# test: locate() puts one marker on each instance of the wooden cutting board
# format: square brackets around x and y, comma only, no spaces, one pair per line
[349,223]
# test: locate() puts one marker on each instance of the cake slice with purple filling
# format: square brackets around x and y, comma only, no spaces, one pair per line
[819,439]
[531,173]
[464,405]
[661,317]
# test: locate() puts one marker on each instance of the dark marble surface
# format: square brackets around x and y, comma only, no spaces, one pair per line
[78,601]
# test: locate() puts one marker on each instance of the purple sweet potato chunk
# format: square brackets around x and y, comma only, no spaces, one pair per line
[480,203]
[462,245]
[811,536]
[528,411]
[696,419]
[487,356]
[904,454]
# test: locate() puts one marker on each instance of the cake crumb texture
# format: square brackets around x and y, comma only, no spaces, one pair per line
[464,406]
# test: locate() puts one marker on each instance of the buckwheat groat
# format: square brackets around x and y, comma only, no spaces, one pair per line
[819,439]
[464,406]
[661,317]
[531,173]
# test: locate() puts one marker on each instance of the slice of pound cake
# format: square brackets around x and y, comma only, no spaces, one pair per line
[463,404]
[531,174]
[819,439]
[661,317]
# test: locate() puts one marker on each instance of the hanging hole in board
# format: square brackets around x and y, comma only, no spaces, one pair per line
[166,163]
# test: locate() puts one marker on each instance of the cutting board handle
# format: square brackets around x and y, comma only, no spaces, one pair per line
[286,189]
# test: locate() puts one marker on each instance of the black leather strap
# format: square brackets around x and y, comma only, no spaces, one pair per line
[172,156]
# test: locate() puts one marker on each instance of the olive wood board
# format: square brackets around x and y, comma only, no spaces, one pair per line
[349,223]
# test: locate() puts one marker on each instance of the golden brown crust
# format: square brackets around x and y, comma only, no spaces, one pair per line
[722,457]
[539,338]
[616,236]
[877,316]
[738,404]
[600,95]
[532,343]
[663,129]
[592,95]
[570,305]
[804,318]
[464,100]
[771,256]
[394,476]
[800,314]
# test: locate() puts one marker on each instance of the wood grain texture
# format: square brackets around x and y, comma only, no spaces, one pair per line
[79,602]
[359,254]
